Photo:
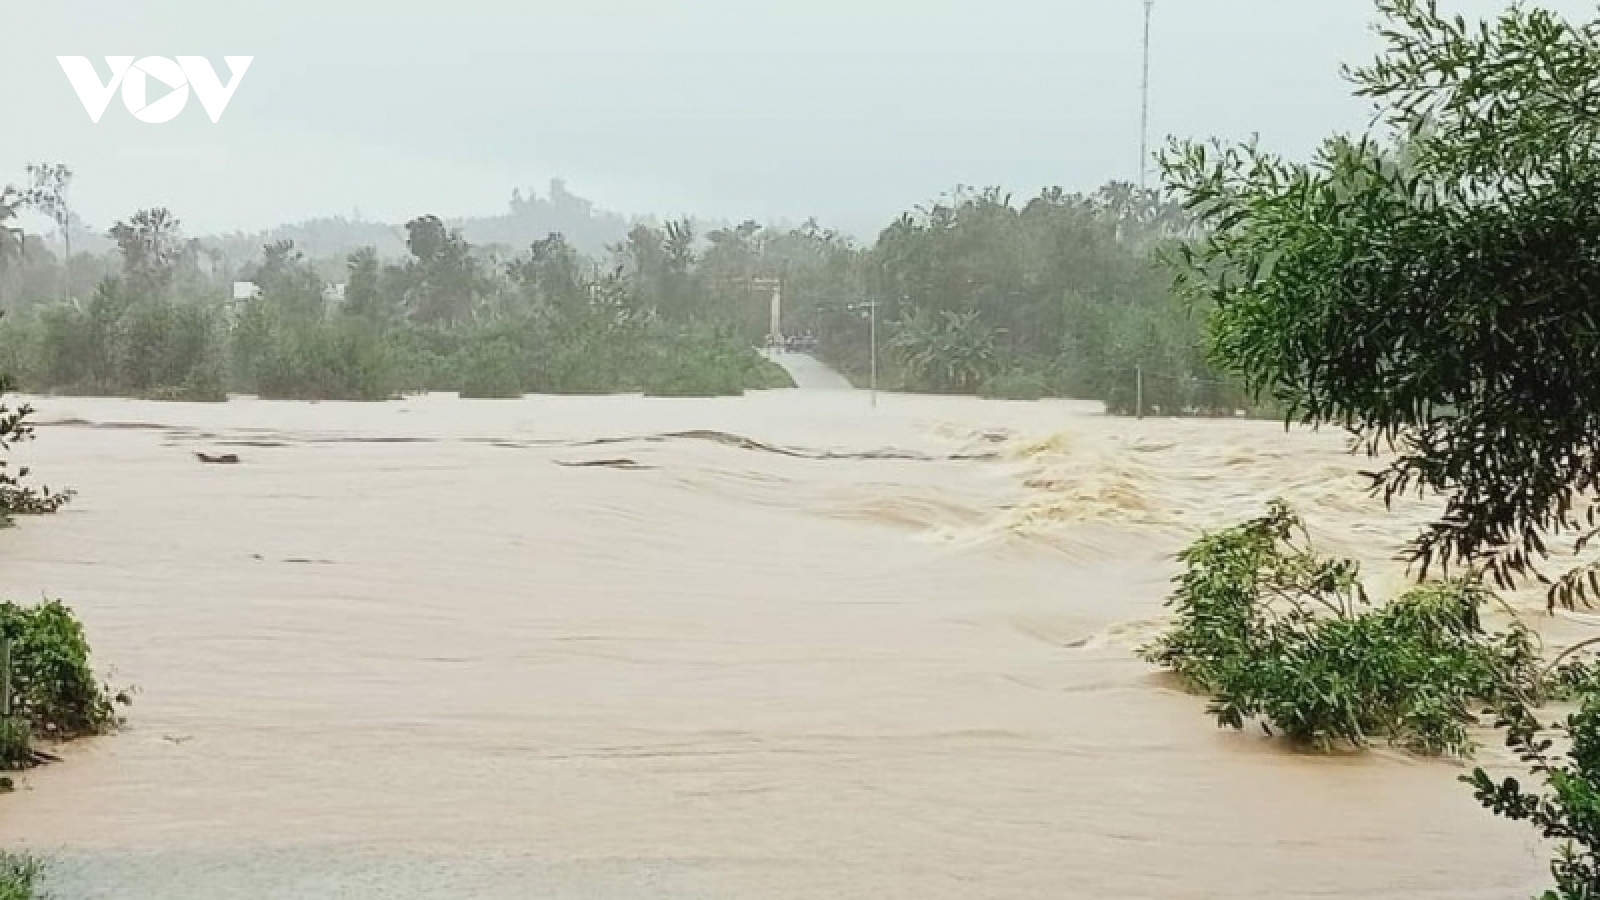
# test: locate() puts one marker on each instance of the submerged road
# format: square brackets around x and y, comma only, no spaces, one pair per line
[808,372]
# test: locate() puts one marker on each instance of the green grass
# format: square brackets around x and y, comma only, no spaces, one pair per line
[769,376]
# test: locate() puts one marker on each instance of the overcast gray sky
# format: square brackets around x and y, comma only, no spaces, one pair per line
[851,110]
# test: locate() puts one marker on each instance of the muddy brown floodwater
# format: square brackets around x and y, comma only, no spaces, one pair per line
[779,646]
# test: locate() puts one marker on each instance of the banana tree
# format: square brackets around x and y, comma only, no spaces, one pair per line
[946,351]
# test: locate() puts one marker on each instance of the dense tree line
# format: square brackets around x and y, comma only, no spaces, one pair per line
[1065,295]
[162,322]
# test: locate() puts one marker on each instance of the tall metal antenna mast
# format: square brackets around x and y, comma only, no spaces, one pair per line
[1144,110]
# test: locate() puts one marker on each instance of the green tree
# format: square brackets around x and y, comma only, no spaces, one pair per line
[49,184]
[443,282]
[364,289]
[946,351]
[152,249]
[17,495]
[289,282]
[1434,286]
[1068,287]
[550,277]
[1569,810]
[663,268]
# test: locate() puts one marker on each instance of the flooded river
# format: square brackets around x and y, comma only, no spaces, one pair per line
[780,646]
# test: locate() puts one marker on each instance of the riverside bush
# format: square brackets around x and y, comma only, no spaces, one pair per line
[1016,384]
[491,371]
[1272,632]
[17,498]
[337,358]
[1568,811]
[708,364]
[118,345]
[19,877]
[54,691]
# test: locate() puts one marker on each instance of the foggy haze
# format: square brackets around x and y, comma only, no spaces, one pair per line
[849,111]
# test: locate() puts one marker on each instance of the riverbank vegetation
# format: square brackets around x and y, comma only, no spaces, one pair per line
[19,877]
[19,496]
[1274,633]
[1063,295]
[1431,288]
[49,689]
[53,692]
[447,318]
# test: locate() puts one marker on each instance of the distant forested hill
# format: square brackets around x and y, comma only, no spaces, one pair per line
[530,217]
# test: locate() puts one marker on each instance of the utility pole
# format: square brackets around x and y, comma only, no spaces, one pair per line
[5,677]
[1144,102]
[873,332]
[66,238]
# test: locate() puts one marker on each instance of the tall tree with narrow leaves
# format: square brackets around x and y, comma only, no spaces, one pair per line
[1434,286]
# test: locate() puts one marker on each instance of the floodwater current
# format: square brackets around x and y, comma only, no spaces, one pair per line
[787,646]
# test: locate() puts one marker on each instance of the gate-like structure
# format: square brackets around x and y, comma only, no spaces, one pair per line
[775,329]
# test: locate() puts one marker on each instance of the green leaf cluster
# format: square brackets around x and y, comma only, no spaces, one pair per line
[1433,286]
[1568,809]
[54,689]
[1273,632]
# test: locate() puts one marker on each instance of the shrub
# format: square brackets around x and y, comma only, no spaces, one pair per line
[168,349]
[17,497]
[205,383]
[707,364]
[694,378]
[1569,809]
[1272,632]
[425,358]
[19,877]
[119,345]
[767,375]
[945,351]
[16,743]
[53,687]
[491,370]
[282,357]
[589,352]
[578,369]
[1015,384]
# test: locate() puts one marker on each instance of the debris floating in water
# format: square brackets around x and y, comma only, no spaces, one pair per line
[603,464]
